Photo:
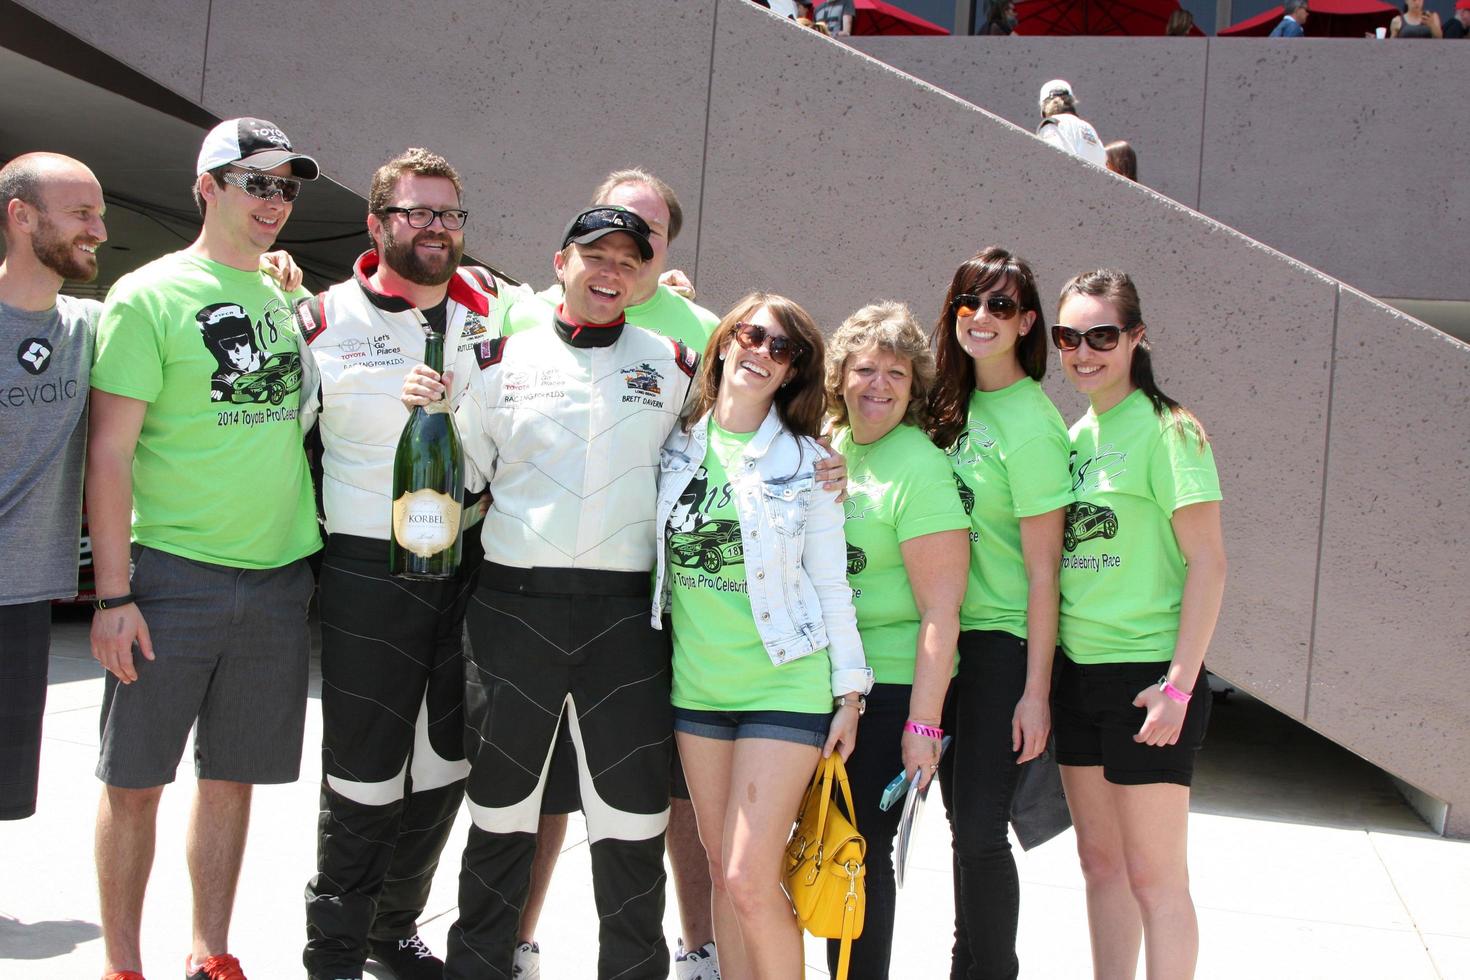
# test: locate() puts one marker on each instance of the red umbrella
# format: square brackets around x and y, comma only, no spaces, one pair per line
[1130,18]
[877,17]
[1325,18]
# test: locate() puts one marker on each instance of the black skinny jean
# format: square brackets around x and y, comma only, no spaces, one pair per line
[876,760]
[978,780]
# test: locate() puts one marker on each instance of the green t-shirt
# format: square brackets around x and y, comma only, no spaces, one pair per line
[219,474]
[720,663]
[1122,571]
[666,313]
[898,488]
[1010,463]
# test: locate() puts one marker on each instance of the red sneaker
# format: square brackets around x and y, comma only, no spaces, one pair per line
[221,967]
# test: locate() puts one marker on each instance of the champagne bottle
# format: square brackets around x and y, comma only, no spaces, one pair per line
[428,481]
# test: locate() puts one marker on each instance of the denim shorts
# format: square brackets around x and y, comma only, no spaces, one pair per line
[801,727]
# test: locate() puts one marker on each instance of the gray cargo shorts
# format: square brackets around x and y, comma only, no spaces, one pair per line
[231,648]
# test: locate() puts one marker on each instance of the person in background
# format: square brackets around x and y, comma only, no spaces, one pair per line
[836,16]
[1000,18]
[1122,160]
[908,556]
[1181,22]
[1459,25]
[1142,576]
[1007,446]
[768,665]
[1293,20]
[1063,128]
[1416,22]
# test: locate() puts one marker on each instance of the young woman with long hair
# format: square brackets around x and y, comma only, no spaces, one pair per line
[769,672]
[1142,576]
[1008,449]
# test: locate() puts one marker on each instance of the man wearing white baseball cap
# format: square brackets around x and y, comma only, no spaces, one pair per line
[1063,128]
[202,515]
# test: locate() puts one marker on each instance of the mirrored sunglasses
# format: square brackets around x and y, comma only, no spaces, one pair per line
[999,305]
[264,186]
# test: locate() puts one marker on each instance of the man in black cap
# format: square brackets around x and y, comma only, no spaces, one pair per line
[566,420]
[201,514]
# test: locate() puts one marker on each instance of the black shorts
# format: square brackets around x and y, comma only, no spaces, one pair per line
[1094,721]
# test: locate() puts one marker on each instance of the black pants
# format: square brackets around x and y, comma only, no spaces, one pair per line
[550,647]
[978,779]
[876,760]
[25,649]
[393,763]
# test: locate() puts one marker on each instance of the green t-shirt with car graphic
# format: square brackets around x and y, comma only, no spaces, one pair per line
[1122,570]
[219,473]
[1010,463]
[720,663]
[898,488]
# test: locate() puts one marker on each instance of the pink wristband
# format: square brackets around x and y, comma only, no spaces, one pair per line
[1173,692]
[928,731]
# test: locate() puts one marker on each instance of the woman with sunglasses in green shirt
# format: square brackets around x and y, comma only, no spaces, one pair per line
[1142,575]
[907,557]
[1008,450]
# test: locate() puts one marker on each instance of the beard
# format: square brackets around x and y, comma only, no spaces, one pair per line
[399,255]
[59,254]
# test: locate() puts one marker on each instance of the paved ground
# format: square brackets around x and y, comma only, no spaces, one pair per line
[1306,864]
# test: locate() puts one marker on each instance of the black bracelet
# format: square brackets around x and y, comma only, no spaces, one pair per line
[121,600]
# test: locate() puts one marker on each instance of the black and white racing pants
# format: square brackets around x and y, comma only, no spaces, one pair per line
[393,765]
[550,647]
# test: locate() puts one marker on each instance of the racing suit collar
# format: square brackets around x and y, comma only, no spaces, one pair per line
[460,291]
[587,334]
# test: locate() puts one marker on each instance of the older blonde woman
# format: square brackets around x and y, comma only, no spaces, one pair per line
[907,561]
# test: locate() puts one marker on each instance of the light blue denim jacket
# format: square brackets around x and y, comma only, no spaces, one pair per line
[795,552]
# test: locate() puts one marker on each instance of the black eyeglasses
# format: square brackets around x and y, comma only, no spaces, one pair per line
[782,350]
[1000,306]
[452,219]
[1102,337]
[264,186]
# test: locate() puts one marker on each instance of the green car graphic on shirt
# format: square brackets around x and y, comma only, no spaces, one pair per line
[713,546]
[1087,521]
[276,379]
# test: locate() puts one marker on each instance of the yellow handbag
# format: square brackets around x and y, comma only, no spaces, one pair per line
[824,862]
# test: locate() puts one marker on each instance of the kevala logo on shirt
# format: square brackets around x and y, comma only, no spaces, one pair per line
[34,354]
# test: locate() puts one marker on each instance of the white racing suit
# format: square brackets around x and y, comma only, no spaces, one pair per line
[566,423]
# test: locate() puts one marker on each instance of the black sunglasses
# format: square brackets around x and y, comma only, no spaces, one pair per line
[264,186]
[1000,306]
[782,350]
[452,219]
[1102,337]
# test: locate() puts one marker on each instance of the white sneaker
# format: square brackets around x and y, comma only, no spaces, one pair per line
[697,964]
[528,962]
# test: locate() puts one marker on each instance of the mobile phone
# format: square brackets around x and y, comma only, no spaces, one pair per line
[894,791]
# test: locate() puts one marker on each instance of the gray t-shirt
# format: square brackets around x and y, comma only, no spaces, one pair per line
[45,361]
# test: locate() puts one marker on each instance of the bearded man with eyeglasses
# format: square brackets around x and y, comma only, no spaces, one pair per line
[201,514]
[393,759]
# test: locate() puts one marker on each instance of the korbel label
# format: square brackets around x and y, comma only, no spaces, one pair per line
[425,522]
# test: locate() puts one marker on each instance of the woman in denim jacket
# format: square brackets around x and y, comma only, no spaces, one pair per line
[752,564]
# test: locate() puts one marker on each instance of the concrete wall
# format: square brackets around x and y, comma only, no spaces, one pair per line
[1341,153]
[807,168]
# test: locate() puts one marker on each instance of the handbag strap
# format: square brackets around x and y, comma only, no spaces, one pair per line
[849,923]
